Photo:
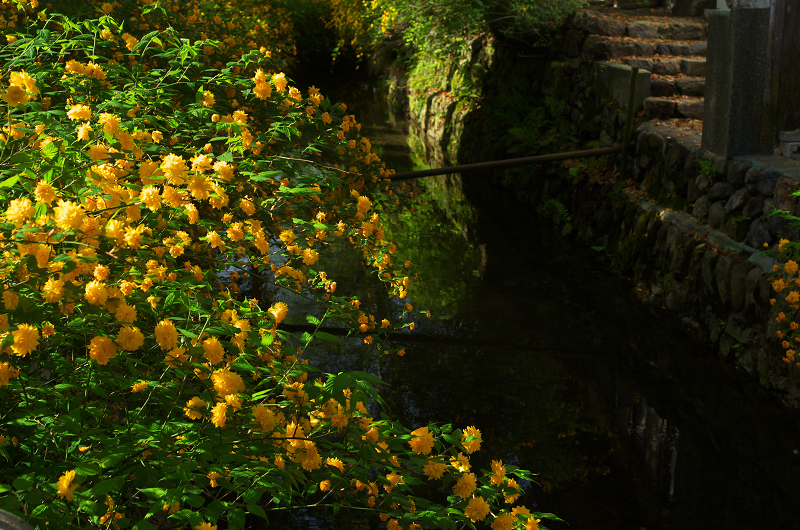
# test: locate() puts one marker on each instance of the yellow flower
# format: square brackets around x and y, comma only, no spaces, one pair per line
[477,509]
[80,112]
[96,292]
[139,387]
[218,414]
[24,81]
[422,442]
[793,297]
[10,300]
[166,334]
[791,267]
[19,210]
[199,187]
[193,407]
[208,99]
[472,445]
[213,350]
[125,313]
[531,523]
[44,192]
[205,526]
[150,197]
[214,239]
[279,311]
[310,256]
[7,372]
[498,472]
[434,470]
[325,485]
[280,82]
[465,485]
[66,488]
[130,338]
[68,215]
[227,382]
[101,349]
[15,96]
[503,522]
[515,491]
[26,339]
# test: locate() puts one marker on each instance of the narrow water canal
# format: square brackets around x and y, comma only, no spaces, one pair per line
[629,422]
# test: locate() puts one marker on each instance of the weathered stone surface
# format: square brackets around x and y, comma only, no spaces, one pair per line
[666,66]
[737,169]
[753,207]
[756,287]
[737,200]
[716,214]
[700,210]
[708,265]
[738,291]
[640,63]
[693,67]
[572,43]
[782,194]
[761,180]
[699,48]
[702,182]
[673,48]
[659,108]
[738,328]
[598,47]
[597,24]
[691,86]
[722,278]
[643,30]
[721,191]
[660,87]
[691,108]
[735,227]
[683,31]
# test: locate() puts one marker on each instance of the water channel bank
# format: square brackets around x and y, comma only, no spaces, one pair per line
[688,227]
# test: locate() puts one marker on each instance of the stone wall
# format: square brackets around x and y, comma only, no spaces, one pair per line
[688,227]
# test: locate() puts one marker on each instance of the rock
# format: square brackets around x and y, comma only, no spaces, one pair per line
[736,172]
[699,48]
[735,228]
[660,87]
[640,63]
[756,288]
[702,182]
[693,67]
[721,191]
[707,267]
[738,279]
[683,31]
[572,43]
[597,24]
[700,210]
[782,194]
[737,200]
[722,273]
[659,108]
[666,67]
[761,180]
[643,30]
[753,207]
[673,48]
[691,108]
[716,214]
[597,47]
[690,86]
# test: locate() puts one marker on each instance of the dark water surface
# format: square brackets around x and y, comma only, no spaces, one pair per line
[629,422]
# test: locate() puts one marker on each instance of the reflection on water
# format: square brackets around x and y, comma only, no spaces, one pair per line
[629,423]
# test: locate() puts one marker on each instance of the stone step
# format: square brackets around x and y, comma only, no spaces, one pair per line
[661,108]
[690,66]
[653,27]
[603,48]
[667,86]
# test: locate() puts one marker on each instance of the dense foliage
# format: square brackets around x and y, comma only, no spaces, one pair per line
[147,168]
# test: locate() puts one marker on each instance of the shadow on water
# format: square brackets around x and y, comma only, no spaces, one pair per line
[629,423]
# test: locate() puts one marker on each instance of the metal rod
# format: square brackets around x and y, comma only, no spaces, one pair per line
[626,135]
[510,162]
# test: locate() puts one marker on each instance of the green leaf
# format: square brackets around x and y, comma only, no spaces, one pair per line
[22,483]
[144,525]
[257,510]
[106,485]
[87,469]
[7,183]
[155,493]
[327,337]
[311,319]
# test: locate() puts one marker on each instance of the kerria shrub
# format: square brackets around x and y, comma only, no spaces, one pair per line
[146,168]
